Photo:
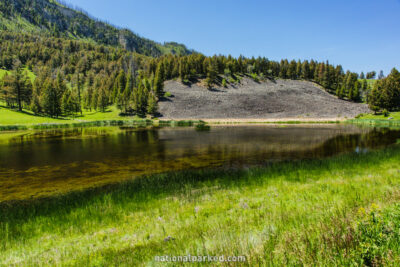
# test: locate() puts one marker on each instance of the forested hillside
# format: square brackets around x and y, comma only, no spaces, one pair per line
[57,20]
[75,75]
[56,61]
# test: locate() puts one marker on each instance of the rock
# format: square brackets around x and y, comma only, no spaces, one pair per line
[168,238]
[245,206]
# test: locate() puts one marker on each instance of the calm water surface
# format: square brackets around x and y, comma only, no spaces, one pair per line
[40,163]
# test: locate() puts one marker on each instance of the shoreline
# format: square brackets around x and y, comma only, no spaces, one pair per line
[265,120]
[192,122]
[165,122]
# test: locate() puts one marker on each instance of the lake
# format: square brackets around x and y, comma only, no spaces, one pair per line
[41,163]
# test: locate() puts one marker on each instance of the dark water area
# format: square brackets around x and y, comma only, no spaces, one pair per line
[40,163]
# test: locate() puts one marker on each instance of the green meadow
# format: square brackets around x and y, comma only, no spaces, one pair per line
[339,211]
[14,117]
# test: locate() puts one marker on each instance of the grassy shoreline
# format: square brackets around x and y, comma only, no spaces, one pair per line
[391,119]
[11,120]
[310,212]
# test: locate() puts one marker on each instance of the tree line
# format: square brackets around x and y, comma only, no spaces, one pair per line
[72,75]
[385,95]
[346,85]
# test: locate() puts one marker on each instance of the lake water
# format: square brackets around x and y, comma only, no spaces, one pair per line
[41,163]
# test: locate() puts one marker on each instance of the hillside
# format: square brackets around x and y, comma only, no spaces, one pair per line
[52,18]
[280,99]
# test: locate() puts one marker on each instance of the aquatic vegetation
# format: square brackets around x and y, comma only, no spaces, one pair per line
[291,213]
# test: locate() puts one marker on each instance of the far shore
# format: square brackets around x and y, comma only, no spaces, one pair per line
[260,120]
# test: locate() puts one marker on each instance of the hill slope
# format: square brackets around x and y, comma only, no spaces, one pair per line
[282,99]
[52,18]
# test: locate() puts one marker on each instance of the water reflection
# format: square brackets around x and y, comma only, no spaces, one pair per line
[44,162]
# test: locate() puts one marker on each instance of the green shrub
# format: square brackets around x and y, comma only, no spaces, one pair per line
[224,83]
[385,113]
[378,235]
[359,115]
[255,77]
[167,94]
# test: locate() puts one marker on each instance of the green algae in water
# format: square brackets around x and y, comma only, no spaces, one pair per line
[40,163]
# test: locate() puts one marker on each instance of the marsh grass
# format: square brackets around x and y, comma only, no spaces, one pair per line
[100,123]
[376,122]
[292,213]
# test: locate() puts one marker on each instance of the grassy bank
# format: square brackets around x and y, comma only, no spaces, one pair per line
[27,118]
[11,120]
[337,211]
[392,119]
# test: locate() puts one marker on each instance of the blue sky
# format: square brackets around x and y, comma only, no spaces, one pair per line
[362,35]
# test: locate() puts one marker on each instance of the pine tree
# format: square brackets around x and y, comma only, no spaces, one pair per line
[152,104]
[159,80]
[374,98]
[88,98]
[381,75]
[16,89]
[51,100]
[364,86]
[291,73]
[102,99]
[350,94]
[35,105]
[78,89]
[119,85]
[356,92]
[212,73]
[305,70]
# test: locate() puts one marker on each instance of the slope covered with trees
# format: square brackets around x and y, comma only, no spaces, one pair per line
[57,20]
[82,63]
[72,75]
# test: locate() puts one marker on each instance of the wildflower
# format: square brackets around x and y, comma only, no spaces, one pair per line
[361,211]
[374,207]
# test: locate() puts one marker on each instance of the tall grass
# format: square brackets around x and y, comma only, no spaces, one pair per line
[100,123]
[292,213]
[375,122]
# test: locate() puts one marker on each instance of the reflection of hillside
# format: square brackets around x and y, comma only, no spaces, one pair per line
[73,160]
[248,140]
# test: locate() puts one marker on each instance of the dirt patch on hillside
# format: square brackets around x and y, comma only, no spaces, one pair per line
[280,99]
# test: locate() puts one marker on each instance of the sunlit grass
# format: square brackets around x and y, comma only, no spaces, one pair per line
[393,115]
[14,117]
[294,213]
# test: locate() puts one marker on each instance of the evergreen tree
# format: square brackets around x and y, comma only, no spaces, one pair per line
[16,89]
[212,73]
[102,99]
[159,80]
[35,105]
[79,89]
[152,104]
[356,92]
[371,75]
[51,99]
[381,76]
[305,70]
[374,98]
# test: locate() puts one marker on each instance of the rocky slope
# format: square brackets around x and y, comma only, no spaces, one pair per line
[280,99]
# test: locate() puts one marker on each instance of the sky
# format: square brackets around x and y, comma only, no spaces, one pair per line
[361,35]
